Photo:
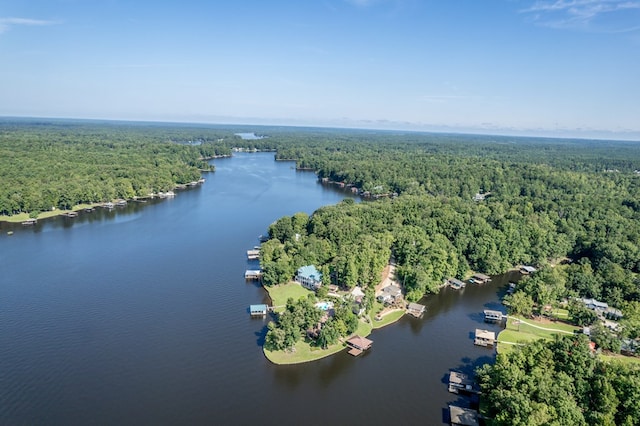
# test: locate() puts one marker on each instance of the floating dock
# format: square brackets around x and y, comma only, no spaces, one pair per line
[253,254]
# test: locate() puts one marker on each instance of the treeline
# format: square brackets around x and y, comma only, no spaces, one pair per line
[544,200]
[302,316]
[45,165]
[559,383]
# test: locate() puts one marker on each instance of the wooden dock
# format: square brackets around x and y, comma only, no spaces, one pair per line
[253,254]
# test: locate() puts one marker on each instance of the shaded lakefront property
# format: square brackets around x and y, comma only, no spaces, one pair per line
[309,277]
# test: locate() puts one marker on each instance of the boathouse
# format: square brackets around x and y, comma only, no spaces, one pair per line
[460,382]
[492,316]
[484,338]
[252,274]
[358,344]
[258,310]
[456,283]
[309,277]
[463,416]
[480,278]
[253,254]
[416,309]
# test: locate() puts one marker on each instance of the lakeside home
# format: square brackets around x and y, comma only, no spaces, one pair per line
[309,277]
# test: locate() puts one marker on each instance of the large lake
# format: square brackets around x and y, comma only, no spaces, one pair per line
[139,316]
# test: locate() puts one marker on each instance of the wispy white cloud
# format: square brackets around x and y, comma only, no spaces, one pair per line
[586,14]
[361,2]
[7,23]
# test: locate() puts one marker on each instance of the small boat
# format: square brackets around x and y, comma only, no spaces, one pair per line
[108,205]
[121,203]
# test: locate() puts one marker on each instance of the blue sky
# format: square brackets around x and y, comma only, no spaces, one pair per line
[533,67]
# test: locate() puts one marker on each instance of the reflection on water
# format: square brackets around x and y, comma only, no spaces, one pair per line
[137,315]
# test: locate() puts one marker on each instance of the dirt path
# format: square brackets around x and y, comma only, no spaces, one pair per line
[387,277]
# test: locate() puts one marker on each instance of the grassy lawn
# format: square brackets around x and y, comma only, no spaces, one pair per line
[529,331]
[279,294]
[304,352]
[18,218]
[620,358]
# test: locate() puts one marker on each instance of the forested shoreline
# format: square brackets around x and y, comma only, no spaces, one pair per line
[448,205]
[47,165]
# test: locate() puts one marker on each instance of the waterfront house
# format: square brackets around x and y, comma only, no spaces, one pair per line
[484,337]
[613,314]
[595,305]
[390,294]
[309,277]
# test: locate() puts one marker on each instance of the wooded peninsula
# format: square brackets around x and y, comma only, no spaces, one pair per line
[441,205]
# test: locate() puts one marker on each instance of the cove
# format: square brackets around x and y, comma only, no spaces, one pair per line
[139,316]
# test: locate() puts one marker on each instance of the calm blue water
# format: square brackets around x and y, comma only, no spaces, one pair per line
[139,316]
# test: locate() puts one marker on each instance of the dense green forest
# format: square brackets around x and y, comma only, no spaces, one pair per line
[560,383]
[441,205]
[59,164]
